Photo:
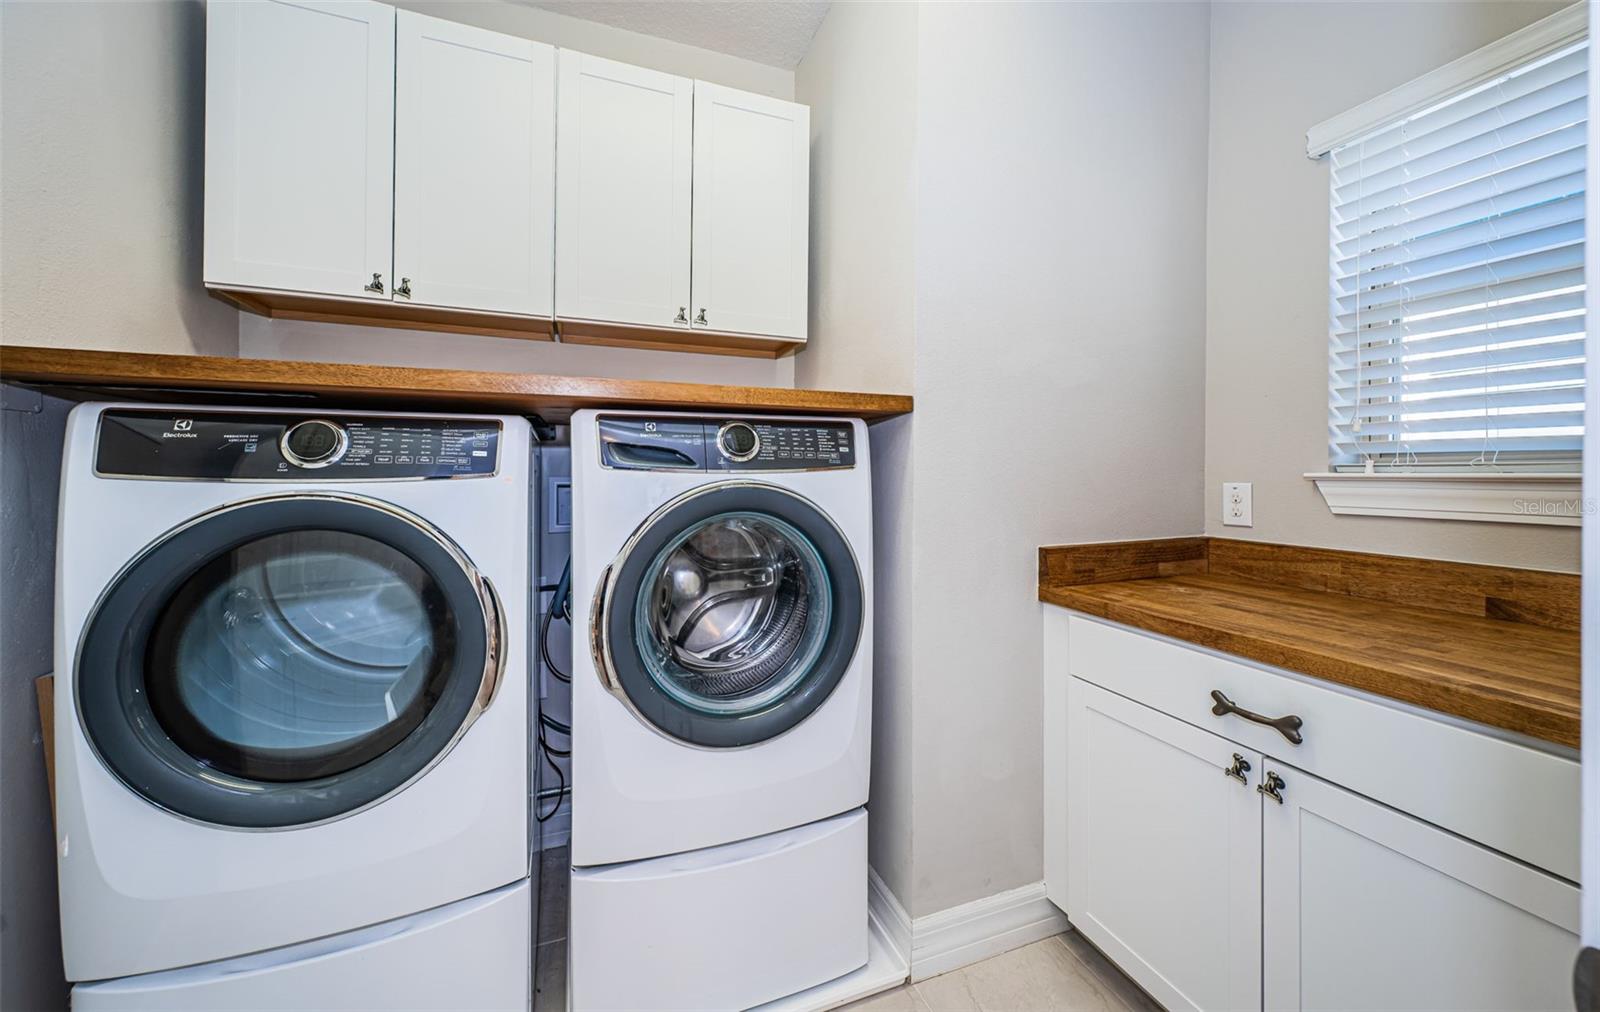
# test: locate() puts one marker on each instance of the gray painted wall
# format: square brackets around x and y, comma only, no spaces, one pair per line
[102,154]
[860,79]
[1057,235]
[31,430]
[1059,374]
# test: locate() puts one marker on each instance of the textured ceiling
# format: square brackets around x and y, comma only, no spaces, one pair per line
[773,32]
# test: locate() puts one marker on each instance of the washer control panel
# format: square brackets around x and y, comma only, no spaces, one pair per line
[257,446]
[734,444]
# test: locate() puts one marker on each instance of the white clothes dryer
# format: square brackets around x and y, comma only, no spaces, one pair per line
[291,683]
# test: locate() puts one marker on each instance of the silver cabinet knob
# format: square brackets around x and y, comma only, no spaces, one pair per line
[376,285]
[683,315]
[404,290]
[700,317]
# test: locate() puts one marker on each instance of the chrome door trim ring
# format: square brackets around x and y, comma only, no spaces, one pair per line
[606,597]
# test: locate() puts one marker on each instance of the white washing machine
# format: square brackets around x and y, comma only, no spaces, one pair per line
[722,690]
[292,709]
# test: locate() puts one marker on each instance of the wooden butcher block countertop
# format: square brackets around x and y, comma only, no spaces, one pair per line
[1488,644]
[552,398]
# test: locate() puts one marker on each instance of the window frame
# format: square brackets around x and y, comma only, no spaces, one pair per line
[1550,36]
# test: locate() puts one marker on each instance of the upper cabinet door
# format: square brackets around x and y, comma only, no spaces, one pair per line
[300,146]
[1368,908]
[1164,851]
[624,143]
[474,174]
[751,219]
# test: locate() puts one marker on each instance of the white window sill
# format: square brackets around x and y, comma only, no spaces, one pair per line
[1500,497]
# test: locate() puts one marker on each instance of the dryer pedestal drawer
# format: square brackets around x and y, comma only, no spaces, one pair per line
[472,954]
[727,927]
[1512,797]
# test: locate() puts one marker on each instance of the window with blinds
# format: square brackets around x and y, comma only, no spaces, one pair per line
[1457,292]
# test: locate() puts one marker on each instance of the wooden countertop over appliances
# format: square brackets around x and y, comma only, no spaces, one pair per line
[552,398]
[1489,644]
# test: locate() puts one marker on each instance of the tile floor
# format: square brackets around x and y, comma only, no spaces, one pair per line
[1062,972]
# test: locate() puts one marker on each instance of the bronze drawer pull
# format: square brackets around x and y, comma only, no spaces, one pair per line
[1288,726]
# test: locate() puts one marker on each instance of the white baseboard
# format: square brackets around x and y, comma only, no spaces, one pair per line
[964,934]
[890,918]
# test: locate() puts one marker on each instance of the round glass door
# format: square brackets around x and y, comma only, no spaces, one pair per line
[286,661]
[299,655]
[734,614]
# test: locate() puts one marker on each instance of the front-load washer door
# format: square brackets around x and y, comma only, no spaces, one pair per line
[287,660]
[729,616]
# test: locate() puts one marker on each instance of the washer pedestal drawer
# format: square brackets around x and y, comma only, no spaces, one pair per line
[470,954]
[726,927]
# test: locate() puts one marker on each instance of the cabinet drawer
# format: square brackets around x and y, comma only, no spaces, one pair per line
[1514,798]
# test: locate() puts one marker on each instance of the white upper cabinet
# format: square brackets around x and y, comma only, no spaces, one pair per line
[474,168]
[354,152]
[624,149]
[1368,908]
[300,146]
[751,217]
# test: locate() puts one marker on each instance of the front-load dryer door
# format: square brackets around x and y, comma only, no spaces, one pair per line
[730,616]
[287,661]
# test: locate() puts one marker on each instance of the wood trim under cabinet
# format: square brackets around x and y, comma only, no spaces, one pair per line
[439,319]
[706,342]
[373,313]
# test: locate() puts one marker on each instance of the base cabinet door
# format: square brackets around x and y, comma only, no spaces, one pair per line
[751,212]
[1368,908]
[474,172]
[300,146]
[1164,851]
[624,139]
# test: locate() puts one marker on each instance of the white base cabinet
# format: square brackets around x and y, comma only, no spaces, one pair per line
[1165,870]
[1368,908]
[1225,870]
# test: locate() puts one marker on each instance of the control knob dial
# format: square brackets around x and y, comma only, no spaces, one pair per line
[738,441]
[316,442]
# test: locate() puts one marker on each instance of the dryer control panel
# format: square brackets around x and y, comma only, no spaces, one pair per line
[262,446]
[727,444]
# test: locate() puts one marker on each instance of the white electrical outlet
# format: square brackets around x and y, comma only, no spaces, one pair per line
[1236,511]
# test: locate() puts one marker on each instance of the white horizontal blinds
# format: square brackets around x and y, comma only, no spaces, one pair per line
[1457,292]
